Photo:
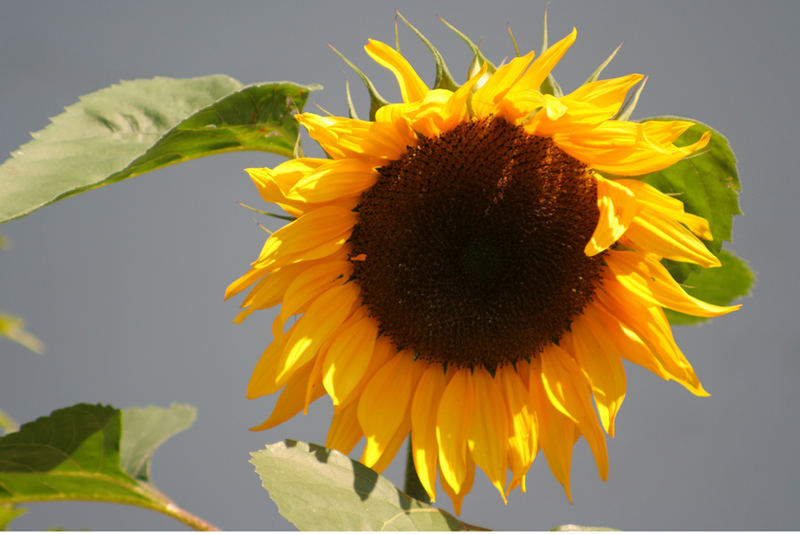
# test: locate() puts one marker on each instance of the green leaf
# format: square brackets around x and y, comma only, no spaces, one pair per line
[321,489]
[720,285]
[75,453]
[9,512]
[145,429]
[142,125]
[13,328]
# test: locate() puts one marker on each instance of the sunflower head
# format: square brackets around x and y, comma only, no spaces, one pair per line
[471,266]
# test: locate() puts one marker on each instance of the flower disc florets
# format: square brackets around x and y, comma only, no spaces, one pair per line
[473,244]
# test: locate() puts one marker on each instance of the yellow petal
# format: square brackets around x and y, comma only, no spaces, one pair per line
[316,326]
[544,64]
[486,99]
[453,418]
[344,432]
[423,426]
[599,359]
[391,448]
[348,357]
[522,438]
[308,286]
[557,432]
[617,206]
[568,391]
[353,138]
[264,380]
[647,278]
[336,179]
[456,111]
[643,334]
[488,432]
[384,403]
[412,88]
[628,148]
[457,495]
[667,238]
[668,206]
[315,235]
[274,184]
[291,400]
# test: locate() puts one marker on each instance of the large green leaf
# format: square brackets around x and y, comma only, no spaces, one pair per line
[145,429]
[141,125]
[321,489]
[75,454]
[720,285]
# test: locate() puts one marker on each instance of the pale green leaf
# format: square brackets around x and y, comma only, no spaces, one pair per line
[13,328]
[321,489]
[139,126]
[75,454]
[145,429]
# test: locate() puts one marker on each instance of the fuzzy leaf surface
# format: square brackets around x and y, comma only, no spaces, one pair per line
[321,489]
[145,429]
[75,454]
[141,125]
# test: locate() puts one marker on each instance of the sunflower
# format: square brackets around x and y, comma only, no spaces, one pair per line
[471,267]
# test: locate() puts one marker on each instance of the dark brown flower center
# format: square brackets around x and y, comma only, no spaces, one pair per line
[474,245]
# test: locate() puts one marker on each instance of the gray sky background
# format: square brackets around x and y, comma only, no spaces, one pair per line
[125,283]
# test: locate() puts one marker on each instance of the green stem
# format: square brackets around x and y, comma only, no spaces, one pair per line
[412,486]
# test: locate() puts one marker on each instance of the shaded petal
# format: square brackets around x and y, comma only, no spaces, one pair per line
[264,380]
[649,280]
[384,403]
[348,358]
[412,88]
[617,205]
[324,317]
[292,399]
[557,432]
[453,418]
[522,435]
[424,408]
[488,432]
[307,287]
[599,359]
[391,448]
[344,433]
[457,495]
[568,391]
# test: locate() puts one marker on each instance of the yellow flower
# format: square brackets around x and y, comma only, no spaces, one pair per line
[472,268]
